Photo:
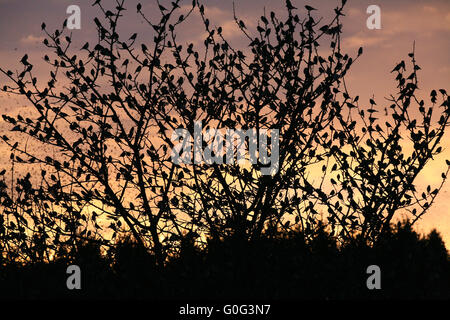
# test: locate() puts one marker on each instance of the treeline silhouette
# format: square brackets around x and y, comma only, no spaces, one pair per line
[282,266]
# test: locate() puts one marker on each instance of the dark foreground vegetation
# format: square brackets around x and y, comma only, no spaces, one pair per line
[282,267]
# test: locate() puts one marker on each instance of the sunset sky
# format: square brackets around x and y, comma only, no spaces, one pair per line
[402,22]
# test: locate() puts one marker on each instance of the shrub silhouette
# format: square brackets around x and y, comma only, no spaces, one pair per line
[265,235]
[120,92]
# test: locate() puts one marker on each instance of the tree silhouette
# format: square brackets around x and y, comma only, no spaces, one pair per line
[108,112]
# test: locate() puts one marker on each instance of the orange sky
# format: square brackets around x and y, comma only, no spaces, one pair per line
[402,22]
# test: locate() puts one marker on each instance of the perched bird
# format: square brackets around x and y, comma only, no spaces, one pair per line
[289,5]
[339,12]
[309,8]
[24,59]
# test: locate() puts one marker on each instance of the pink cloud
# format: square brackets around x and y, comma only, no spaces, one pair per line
[31,39]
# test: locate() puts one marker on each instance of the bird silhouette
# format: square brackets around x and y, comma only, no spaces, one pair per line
[309,8]
[24,59]
[289,5]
